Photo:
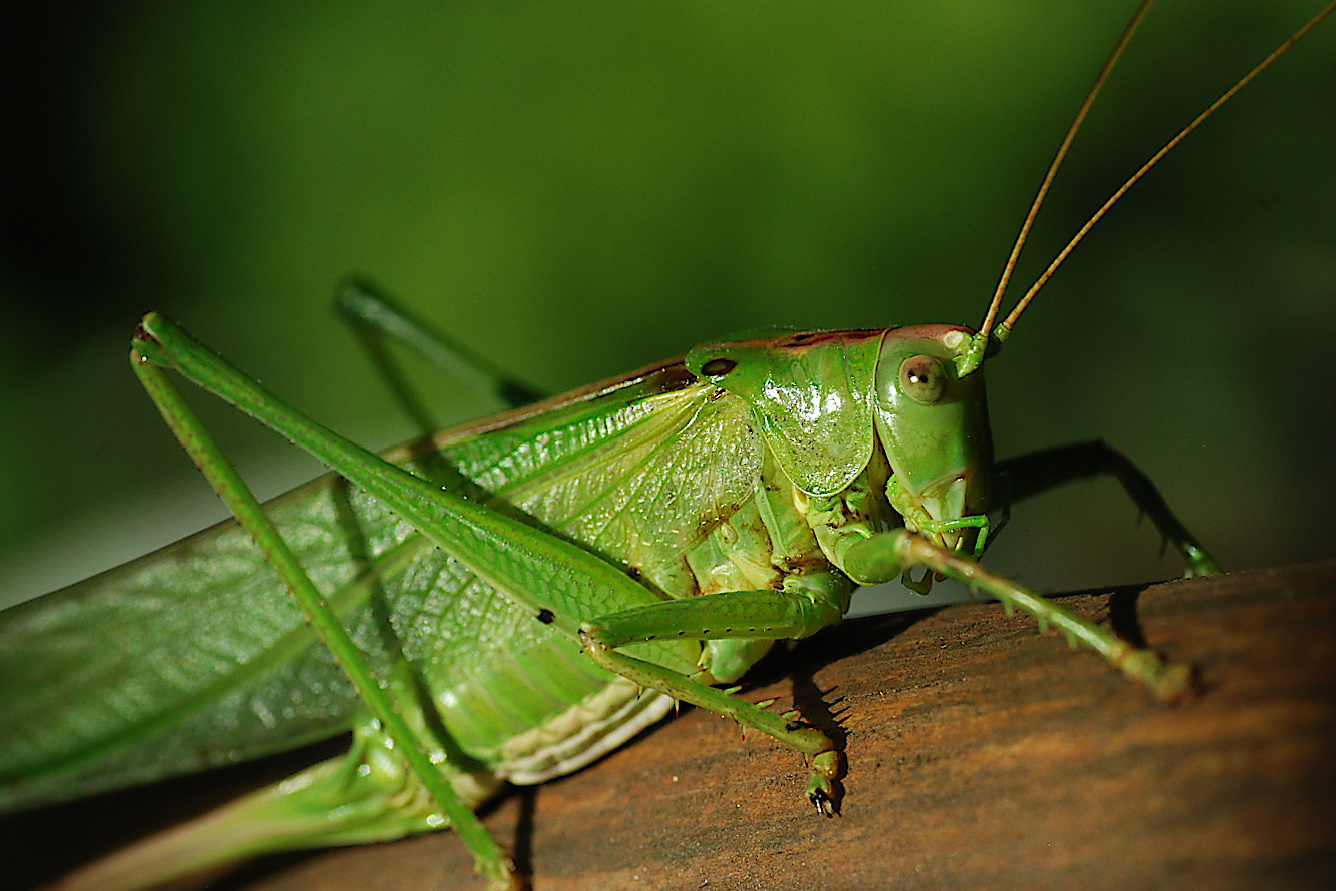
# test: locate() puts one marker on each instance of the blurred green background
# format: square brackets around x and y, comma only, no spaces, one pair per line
[578,189]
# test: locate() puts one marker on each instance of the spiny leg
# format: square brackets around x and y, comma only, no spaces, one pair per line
[149,359]
[811,603]
[1032,474]
[885,555]
[826,763]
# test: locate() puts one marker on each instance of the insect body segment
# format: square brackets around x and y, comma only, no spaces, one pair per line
[826,400]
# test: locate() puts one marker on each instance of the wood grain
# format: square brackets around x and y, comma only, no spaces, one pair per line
[980,754]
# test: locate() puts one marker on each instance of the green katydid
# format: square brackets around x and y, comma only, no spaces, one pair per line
[826,500]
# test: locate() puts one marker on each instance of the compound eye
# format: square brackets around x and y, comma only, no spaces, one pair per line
[717,368]
[923,379]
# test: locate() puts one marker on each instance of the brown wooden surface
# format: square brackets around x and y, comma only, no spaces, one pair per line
[979,755]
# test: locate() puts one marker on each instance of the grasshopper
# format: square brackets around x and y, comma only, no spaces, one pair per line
[511,599]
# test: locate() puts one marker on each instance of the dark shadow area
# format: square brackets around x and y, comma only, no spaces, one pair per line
[246,873]
[850,638]
[1122,601]
[1123,614]
[523,849]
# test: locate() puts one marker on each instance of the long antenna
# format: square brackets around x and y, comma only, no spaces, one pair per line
[1015,314]
[973,357]
[1089,101]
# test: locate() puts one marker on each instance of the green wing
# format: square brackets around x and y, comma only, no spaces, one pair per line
[187,658]
[680,462]
[192,657]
